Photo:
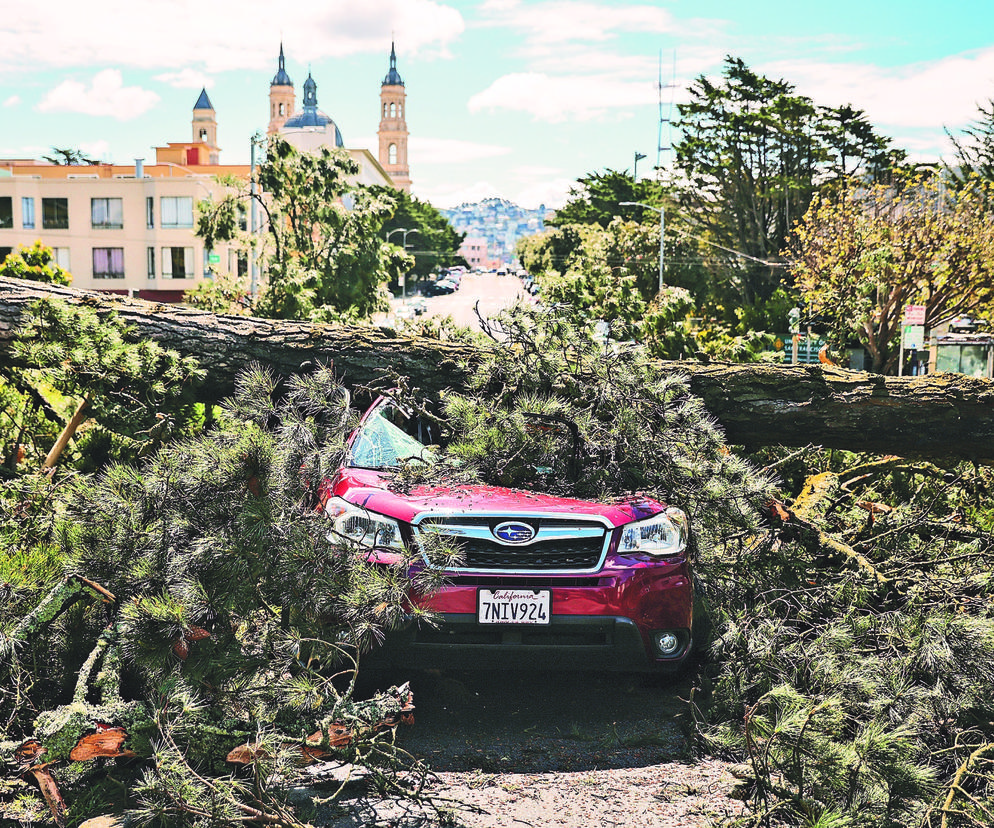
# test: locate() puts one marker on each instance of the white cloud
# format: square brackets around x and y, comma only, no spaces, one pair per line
[554,99]
[451,151]
[225,35]
[941,92]
[185,79]
[568,21]
[13,100]
[447,197]
[99,150]
[106,96]
[552,192]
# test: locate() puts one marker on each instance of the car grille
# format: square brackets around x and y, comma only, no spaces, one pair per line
[549,555]
[560,545]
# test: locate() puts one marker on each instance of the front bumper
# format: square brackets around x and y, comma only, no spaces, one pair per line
[570,642]
[603,622]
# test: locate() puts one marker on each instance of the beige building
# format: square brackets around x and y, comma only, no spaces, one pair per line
[131,229]
[123,229]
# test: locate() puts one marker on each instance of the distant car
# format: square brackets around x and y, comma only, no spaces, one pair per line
[440,288]
[419,306]
[543,580]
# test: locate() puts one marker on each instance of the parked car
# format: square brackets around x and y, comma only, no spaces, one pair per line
[544,580]
[440,288]
[419,305]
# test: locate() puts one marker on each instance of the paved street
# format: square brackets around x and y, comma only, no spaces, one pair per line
[492,292]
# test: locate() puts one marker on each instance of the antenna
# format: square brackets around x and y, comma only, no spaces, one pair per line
[664,119]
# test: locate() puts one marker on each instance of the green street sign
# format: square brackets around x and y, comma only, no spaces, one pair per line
[214,258]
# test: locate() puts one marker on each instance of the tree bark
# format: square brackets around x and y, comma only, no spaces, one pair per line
[943,417]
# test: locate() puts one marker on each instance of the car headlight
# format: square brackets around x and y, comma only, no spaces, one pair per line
[663,534]
[362,526]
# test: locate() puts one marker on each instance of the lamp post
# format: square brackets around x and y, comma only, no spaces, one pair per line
[662,224]
[405,231]
[635,170]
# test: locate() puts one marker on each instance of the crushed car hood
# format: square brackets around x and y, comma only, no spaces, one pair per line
[370,489]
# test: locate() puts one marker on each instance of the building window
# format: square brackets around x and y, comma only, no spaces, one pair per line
[151,263]
[281,109]
[27,211]
[106,213]
[177,211]
[55,213]
[177,262]
[6,211]
[60,255]
[149,212]
[242,217]
[108,262]
[242,265]
[392,154]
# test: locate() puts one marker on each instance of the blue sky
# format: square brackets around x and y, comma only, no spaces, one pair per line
[510,98]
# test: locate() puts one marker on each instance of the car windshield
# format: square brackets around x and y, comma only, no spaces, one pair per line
[384,442]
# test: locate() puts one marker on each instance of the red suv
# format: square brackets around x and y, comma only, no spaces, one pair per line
[542,580]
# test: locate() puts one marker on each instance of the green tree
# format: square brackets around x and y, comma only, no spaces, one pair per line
[612,275]
[224,293]
[853,148]
[35,263]
[436,243]
[323,255]
[975,148]
[595,198]
[861,254]
[208,603]
[118,380]
[752,155]
[69,157]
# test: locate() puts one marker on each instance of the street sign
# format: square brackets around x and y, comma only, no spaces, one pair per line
[914,314]
[913,337]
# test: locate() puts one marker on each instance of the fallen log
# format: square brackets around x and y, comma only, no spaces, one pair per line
[942,417]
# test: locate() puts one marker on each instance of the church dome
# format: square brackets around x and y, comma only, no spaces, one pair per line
[312,119]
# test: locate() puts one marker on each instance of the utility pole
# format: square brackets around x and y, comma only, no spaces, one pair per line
[254,209]
[405,231]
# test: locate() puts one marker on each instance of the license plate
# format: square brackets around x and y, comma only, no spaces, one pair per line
[514,606]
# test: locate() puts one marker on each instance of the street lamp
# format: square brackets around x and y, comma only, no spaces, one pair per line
[405,231]
[662,224]
[635,170]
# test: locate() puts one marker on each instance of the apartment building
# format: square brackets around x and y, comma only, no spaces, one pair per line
[116,229]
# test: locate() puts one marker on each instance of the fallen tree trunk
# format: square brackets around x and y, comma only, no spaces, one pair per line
[939,416]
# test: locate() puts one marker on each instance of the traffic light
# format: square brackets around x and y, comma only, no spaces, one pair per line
[794,317]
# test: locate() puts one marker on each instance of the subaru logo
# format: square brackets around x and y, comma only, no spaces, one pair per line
[513,532]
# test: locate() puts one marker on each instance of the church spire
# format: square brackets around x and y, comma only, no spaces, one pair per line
[282,98]
[393,77]
[281,78]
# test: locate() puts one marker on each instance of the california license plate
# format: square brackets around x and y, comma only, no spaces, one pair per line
[514,606]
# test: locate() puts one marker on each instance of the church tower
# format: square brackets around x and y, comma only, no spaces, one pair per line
[393,126]
[282,98]
[205,126]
